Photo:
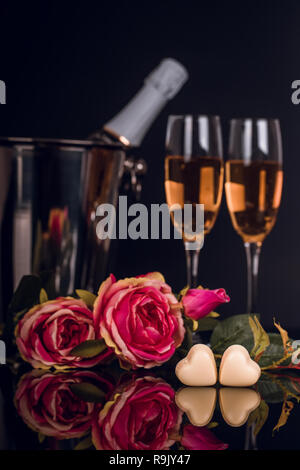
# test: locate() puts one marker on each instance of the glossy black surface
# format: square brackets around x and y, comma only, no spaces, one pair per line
[45,410]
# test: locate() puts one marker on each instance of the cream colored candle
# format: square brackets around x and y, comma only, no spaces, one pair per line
[237,403]
[198,368]
[237,369]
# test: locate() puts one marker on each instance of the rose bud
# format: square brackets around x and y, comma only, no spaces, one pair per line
[198,303]
[195,438]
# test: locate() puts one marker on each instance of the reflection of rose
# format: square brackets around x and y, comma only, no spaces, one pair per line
[56,223]
[195,438]
[141,416]
[48,332]
[47,404]
[140,318]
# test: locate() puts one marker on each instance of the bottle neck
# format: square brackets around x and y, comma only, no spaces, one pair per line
[131,124]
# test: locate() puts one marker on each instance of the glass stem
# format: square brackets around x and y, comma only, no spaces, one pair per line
[192,263]
[252,254]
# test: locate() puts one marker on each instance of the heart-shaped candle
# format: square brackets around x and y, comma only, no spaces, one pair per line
[198,368]
[237,403]
[237,369]
[198,403]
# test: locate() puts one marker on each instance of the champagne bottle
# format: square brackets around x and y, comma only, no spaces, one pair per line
[131,124]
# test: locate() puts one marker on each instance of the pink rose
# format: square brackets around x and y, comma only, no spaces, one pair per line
[141,415]
[195,438]
[140,318]
[47,404]
[200,302]
[49,331]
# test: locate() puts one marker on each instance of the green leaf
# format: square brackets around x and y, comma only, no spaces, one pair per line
[274,352]
[237,330]
[188,338]
[258,417]
[270,389]
[232,330]
[89,348]
[286,342]
[183,292]
[287,407]
[88,392]
[212,425]
[19,315]
[87,297]
[213,314]
[43,296]
[261,338]
[48,283]
[278,387]
[84,444]
[207,324]
[26,294]
[41,437]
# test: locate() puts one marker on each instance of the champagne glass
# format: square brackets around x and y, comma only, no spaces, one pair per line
[253,188]
[194,175]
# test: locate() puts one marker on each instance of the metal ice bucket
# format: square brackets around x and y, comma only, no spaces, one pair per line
[49,192]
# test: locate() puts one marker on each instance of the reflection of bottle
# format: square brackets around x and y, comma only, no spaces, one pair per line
[131,124]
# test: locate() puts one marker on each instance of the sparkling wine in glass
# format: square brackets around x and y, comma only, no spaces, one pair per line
[194,175]
[253,188]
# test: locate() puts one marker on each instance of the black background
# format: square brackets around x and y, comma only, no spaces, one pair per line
[70,66]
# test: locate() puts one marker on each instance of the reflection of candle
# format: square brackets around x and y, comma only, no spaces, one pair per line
[198,403]
[237,403]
